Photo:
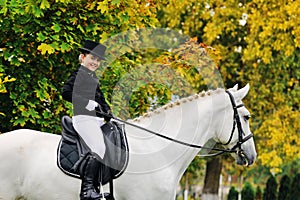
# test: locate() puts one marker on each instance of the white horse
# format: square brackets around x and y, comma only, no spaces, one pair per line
[28,168]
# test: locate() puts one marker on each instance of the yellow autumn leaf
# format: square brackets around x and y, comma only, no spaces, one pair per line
[103,6]
[7,79]
[44,4]
[281,134]
[44,48]
[104,36]
[63,1]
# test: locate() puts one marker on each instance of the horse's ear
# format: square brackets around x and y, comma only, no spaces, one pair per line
[241,93]
[234,89]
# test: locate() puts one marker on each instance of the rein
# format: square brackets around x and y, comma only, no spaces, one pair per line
[236,122]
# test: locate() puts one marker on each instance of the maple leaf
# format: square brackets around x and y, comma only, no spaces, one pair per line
[44,48]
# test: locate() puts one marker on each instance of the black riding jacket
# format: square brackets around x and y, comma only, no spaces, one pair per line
[82,86]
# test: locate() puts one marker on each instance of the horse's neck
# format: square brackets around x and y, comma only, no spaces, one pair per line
[187,120]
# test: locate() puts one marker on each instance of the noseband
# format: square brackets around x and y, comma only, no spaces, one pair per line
[237,123]
[237,148]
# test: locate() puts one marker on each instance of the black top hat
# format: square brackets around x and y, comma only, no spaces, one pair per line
[94,48]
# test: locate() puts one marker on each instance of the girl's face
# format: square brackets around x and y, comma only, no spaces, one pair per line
[90,61]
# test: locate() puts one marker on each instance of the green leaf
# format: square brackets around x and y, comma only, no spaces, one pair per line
[37,11]
[80,28]
[46,114]
[4,10]
[15,61]
[56,28]
[3,6]
[13,3]
[20,121]
[33,113]
[115,2]
[91,27]
[125,18]
[55,37]
[25,113]
[64,47]
[3,2]
[55,45]
[39,94]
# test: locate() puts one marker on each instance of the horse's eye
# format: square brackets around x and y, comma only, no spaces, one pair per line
[247,117]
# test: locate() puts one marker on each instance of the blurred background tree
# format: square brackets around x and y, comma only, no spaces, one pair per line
[284,187]
[258,193]
[233,194]
[294,190]
[248,192]
[270,191]
[258,43]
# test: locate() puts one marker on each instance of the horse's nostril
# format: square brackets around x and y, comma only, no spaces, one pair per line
[244,159]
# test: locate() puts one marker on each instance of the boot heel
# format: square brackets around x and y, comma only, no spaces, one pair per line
[88,191]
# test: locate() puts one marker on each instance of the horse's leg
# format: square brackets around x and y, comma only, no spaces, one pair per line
[145,186]
[28,168]
[44,180]
[9,186]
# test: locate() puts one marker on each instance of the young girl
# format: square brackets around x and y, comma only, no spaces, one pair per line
[83,91]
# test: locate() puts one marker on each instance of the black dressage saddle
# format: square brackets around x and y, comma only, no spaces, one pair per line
[72,153]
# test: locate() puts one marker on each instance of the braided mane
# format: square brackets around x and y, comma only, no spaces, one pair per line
[178,102]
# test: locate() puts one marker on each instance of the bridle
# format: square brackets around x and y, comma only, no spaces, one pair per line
[237,123]
[237,148]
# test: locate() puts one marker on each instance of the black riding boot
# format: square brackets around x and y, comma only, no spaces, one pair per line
[88,191]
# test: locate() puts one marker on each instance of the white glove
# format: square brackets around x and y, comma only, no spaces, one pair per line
[91,105]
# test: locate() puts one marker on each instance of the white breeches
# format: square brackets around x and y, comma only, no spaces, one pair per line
[88,128]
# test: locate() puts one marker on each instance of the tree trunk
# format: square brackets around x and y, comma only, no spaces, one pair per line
[186,188]
[212,179]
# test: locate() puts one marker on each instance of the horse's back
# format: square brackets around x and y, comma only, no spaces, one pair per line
[24,142]
[28,165]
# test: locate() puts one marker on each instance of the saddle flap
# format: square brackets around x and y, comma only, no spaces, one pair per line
[67,126]
[72,152]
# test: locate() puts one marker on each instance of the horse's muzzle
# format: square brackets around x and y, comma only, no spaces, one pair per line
[244,159]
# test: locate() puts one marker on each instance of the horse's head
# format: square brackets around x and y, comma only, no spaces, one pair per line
[234,131]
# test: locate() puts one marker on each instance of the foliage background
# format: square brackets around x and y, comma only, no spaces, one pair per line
[258,43]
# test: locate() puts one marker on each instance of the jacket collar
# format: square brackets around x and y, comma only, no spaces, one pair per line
[83,68]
